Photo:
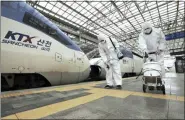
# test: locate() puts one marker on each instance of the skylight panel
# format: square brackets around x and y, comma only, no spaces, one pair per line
[115,27]
[70,17]
[142,4]
[135,11]
[160,3]
[181,5]
[129,14]
[55,9]
[70,4]
[49,6]
[94,18]
[59,5]
[99,6]
[165,18]
[64,8]
[151,4]
[90,15]
[84,4]
[172,15]
[73,13]
[53,3]
[163,8]
[79,8]
[88,7]
[69,11]
[64,15]
[43,3]
[76,15]
[61,12]
[139,19]
[81,23]
[83,11]
[94,3]
[93,11]
[132,6]
[87,14]
[119,3]
[78,21]
[74,19]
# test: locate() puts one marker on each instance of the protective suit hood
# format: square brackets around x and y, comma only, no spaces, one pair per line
[101,37]
[147,27]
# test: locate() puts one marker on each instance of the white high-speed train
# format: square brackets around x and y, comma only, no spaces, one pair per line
[35,52]
[129,67]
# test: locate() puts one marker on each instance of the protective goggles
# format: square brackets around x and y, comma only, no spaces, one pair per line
[147,30]
[102,41]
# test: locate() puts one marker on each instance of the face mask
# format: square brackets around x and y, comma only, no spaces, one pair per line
[147,31]
[102,41]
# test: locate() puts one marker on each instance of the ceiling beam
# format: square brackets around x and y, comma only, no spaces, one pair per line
[160,19]
[106,17]
[118,10]
[175,22]
[138,8]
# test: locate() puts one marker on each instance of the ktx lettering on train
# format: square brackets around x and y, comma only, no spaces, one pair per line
[24,40]
[11,35]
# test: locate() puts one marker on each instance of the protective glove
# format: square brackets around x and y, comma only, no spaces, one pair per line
[145,54]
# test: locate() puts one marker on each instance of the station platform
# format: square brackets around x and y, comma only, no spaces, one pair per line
[90,100]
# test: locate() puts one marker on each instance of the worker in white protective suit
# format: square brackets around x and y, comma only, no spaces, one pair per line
[111,61]
[152,41]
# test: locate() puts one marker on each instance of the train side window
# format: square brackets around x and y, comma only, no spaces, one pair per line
[52,31]
[34,22]
[38,24]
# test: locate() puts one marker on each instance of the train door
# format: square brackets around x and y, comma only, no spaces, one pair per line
[79,62]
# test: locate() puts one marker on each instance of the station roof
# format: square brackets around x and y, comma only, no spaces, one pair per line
[121,20]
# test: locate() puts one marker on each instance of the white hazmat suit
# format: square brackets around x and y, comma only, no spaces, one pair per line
[110,59]
[152,41]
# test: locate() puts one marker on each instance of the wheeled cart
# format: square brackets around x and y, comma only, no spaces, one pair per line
[152,77]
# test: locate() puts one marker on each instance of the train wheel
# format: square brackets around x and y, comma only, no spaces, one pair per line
[144,88]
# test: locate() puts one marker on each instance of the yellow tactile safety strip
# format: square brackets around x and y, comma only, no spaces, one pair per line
[15,94]
[96,94]
[10,117]
[54,108]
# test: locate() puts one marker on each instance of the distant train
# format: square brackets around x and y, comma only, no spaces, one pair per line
[129,67]
[35,52]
